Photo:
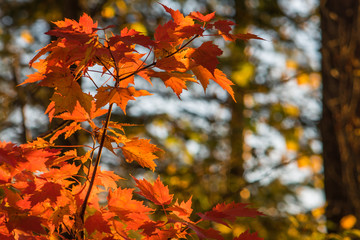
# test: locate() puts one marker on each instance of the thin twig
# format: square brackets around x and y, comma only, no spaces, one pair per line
[97,161]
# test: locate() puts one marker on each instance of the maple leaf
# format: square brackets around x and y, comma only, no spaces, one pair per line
[205,233]
[224,26]
[38,159]
[41,52]
[57,217]
[248,236]
[8,154]
[5,175]
[247,36]
[96,222]
[107,179]
[80,115]
[206,55]
[39,75]
[170,64]
[200,17]
[140,151]
[203,75]
[120,96]
[160,234]
[26,223]
[176,81]
[163,35]
[178,16]
[68,94]
[49,191]
[68,130]
[130,37]
[132,211]
[149,227]
[182,210]
[156,193]
[81,31]
[230,212]
[62,173]
[188,31]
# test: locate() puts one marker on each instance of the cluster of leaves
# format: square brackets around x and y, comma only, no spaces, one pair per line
[46,192]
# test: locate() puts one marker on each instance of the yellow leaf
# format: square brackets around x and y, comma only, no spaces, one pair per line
[303,79]
[243,76]
[348,221]
[291,110]
[108,12]
[26,35]
[292,145]
[303,161]
[137,26]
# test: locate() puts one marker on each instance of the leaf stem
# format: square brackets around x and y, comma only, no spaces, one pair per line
[97,161]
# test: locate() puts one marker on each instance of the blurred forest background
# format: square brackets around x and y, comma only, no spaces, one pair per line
[266,148]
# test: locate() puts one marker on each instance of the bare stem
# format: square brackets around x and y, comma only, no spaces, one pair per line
[97,161]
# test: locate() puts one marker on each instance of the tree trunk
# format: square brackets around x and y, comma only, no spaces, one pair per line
[235,169]
[340,125]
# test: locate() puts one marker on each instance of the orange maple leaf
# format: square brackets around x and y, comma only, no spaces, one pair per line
[199,16]
[68,130]
[156,193]
[203,75]
[176,81]
[80,115]
[182,210]
[120,201]
[120,96]
[140,151]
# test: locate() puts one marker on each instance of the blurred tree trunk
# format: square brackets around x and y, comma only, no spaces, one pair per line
[340,125]
[235,169]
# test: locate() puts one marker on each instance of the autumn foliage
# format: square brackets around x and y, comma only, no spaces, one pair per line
[48,192]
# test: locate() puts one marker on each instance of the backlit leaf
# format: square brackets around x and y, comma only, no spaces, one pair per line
[156,192]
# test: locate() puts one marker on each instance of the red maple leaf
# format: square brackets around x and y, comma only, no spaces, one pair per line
[96,222]
[156,193]
[26,223]
[49,191]
[205,233]
[206,55]
[229,212]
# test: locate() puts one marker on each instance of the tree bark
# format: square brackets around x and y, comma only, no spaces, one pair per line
[340,124]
